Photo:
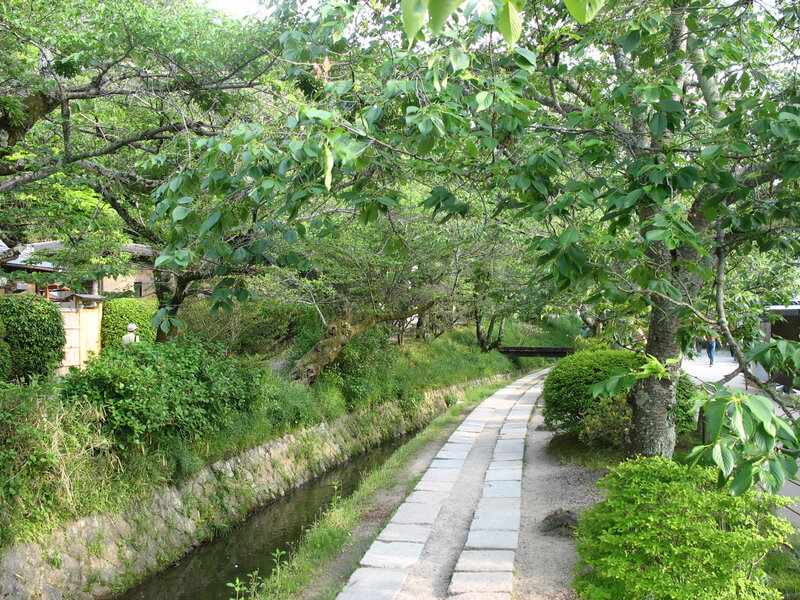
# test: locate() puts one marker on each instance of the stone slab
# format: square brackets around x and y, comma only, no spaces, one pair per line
[462,454]
[505,464]
[502,456]
[427,497]
[436,474]
[420,514]
[474,427]
[447,463]
[504,474]
[485,560]
[502,489]
[493,538]
[482,596]
[405,532]
[509,446]
[497,503]
[491,518]
[434,486]
[375,584]
[394,555]
[463,583]
[462,437]
[453,447]
[513,435]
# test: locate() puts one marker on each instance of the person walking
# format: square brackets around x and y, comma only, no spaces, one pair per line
[131,336]
[711,346]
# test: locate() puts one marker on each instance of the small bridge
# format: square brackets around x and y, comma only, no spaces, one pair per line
[546,351]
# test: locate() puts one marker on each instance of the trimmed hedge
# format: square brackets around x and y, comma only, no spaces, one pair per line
[121,311]
[668,532]
[151,391]
[34,332]
[566,390]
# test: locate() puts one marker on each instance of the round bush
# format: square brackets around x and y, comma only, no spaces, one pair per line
[118,313]
[566,389]
[667,532]
[34,334]
[150,391]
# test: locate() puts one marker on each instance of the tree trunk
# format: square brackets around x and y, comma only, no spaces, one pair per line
[652,431]
[171,292]
[336,336]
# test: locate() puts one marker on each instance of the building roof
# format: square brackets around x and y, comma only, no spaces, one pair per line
[26,261]
[790,310]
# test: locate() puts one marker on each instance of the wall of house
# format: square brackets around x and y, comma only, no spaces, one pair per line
[125,283]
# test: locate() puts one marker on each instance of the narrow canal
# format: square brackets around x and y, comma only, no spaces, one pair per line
[254,544]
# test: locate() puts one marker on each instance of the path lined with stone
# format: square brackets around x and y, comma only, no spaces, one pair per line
[456,534]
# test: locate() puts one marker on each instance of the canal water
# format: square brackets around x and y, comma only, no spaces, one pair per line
[253,544]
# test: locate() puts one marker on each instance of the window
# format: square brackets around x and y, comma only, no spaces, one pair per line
[137,289]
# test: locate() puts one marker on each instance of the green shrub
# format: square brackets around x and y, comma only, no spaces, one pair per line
[667,532]
[34,334]
[566,390]
[606,422]
[150,391]
[121,311]
[685,417]
[256,327]
[592,343]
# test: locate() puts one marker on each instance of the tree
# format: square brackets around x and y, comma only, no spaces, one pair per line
[671,131]
[109,99]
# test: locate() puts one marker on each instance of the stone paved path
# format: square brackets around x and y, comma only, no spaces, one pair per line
[456,534]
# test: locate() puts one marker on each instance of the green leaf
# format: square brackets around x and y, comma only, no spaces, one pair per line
[509,23]
[658,123]
[583,11]
[526,59]
[212,220]
[440,11]
[630,41]
[742,481]
[670,106]
[710,151]
[413,17]
[328,166]
[761,408]
[458,60]
[290,235]
[180,213]
[484,100]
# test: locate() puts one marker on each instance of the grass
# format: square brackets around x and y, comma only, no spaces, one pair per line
[331,532]
[570,450]
[783,568]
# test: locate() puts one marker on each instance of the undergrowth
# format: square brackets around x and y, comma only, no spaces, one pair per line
[64,458]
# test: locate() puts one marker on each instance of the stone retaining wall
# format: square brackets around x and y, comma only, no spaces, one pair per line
[99,555]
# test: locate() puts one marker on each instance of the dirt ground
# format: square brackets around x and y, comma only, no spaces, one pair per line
[544,560]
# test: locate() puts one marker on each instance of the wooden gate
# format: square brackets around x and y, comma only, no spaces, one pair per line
[82,329]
